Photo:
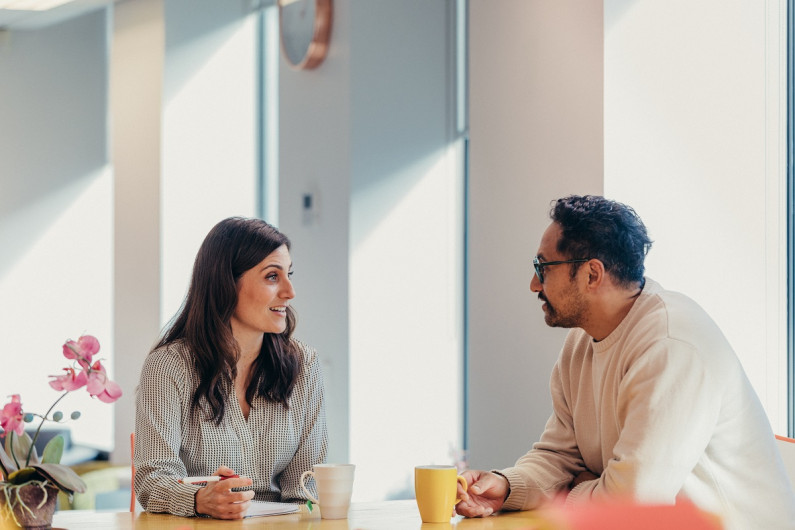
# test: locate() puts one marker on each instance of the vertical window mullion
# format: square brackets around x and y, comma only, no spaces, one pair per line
[790,223]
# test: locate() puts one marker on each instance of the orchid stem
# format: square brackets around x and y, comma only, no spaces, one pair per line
[41,424]
[11,447]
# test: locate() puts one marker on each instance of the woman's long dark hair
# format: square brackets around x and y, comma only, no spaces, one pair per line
[232,247]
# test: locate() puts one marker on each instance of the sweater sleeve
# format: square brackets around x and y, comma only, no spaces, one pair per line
[668,407]
[547,469]
[158,421]
[314,438]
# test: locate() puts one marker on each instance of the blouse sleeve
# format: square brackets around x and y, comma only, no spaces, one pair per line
[313,445]
[160,398]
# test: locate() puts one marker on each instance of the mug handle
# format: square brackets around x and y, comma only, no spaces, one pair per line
[311,498]
[461,480]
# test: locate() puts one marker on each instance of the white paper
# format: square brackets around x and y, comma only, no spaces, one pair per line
[263,508]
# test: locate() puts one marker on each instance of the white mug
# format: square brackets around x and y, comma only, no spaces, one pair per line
[334,487]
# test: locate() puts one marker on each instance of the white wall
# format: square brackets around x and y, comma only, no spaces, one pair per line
[320,151]
[55,212]
[535,97]
[693,138]
[109,251]
[695,133]
[367,134]
[406,272]
[209,123]
[184,117]
[315,157]
[136,81]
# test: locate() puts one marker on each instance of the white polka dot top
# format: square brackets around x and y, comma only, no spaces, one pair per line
[273,447]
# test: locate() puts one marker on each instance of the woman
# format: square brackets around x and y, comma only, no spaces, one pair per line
[227,391]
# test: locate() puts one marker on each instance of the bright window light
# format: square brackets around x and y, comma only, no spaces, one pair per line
[31,5]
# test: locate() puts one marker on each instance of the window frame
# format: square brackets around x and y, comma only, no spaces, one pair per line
[790,222]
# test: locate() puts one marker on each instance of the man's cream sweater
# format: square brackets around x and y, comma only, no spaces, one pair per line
[660,410]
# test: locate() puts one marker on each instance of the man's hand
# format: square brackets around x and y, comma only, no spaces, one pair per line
[486,493]
[218,500]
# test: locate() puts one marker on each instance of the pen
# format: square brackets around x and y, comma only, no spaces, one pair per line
[209,478]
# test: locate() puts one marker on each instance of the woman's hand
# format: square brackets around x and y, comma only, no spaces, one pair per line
[486,493]
[218,500]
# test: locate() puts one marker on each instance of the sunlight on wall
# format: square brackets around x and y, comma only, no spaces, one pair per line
[61,288]
[695,141]
[406,329]
[209,143]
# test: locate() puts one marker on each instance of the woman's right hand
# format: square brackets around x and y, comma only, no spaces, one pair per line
[218,500]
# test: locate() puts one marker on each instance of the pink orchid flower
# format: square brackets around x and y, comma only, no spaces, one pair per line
[71,381]
[100,387]
[11,416]
[82,350]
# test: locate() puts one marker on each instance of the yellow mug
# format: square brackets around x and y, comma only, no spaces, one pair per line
[436,489]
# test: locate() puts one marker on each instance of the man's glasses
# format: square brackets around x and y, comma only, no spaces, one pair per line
[539,265]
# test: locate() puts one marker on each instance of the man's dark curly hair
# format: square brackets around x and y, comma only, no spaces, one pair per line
[595,227]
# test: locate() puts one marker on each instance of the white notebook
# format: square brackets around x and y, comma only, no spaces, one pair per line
[263,508]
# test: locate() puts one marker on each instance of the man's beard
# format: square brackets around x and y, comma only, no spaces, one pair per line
[569,316]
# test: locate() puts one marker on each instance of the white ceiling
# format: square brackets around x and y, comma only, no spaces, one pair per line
[11,19]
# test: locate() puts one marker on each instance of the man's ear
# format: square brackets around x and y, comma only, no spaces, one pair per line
[596,273]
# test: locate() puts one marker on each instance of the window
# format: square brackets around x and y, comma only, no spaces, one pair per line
[56,221]
[407,247]
[790,218]
[695,141]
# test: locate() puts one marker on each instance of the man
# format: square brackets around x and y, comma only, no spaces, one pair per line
[650,402]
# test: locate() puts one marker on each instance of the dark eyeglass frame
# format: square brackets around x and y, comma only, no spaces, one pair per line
[539,265]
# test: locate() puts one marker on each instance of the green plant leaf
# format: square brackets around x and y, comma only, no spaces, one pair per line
[62,476]
[309,506]
[34,455]
[7,463]
[18,446]
[53,451]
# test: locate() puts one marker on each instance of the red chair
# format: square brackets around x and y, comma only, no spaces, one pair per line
[786,446]
[619,515]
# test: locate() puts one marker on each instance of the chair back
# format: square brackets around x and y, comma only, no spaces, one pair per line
[627,515]
[786,446]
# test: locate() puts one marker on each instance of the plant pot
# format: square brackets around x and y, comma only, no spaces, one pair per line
[29,505]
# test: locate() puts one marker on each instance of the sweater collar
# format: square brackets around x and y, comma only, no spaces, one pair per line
[650,288]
